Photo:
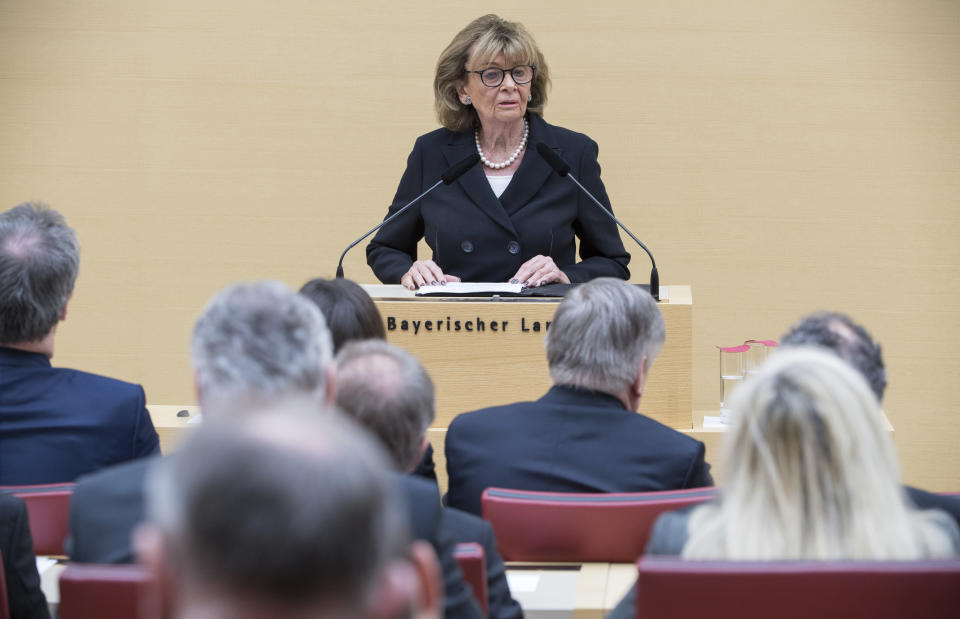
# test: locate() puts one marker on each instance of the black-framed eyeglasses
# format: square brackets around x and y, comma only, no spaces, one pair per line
[493,76]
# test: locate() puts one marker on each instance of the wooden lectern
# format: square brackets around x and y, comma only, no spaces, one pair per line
[487,351]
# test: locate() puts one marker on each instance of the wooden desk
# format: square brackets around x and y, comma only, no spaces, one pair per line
[484,352]
[580,591]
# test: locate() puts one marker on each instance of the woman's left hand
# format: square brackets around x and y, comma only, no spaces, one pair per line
[538,271]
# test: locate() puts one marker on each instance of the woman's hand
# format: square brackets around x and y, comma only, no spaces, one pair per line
[538,271]
[424,272]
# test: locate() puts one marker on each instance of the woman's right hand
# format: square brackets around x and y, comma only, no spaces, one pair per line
[424,272]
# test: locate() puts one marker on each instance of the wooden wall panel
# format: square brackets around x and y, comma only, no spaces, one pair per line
[778,156]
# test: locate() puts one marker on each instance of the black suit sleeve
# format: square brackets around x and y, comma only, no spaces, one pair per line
[601,251]
[501,602]
[698,476]
[394,248]
[459,602]
[26,600]
[928,500]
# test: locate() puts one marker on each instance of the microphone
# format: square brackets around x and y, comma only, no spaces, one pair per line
[562,168]
[449,176]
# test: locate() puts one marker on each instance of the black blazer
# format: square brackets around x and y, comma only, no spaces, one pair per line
[57,424]
[464,527]
[108,505]
[478,237]
[25,599]
[569,440]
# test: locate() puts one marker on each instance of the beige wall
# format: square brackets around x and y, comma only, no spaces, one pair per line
[777,156]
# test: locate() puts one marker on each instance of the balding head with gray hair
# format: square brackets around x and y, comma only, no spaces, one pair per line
[386,390]
[258,343]
[39,260]
[600,335]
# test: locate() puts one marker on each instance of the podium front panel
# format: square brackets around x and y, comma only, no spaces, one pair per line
[485,352]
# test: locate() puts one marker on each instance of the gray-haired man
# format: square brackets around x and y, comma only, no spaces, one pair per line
[55,423]
[584,435]
[284,514]
[387,390]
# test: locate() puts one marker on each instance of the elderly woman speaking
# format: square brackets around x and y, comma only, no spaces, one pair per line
[513,219]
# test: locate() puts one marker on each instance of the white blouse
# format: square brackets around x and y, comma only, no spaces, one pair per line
[499,183]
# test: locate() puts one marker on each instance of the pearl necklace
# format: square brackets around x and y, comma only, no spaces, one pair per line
[513,157]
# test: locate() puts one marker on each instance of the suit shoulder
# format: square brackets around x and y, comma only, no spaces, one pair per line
[664,434]
[484,416]
[102,383]
[134,471]
[436,137]
[463,526]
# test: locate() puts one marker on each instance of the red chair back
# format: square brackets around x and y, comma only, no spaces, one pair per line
[4,602]
[48,510]
[670,587]
[107,592]
[558,526]
[473,564]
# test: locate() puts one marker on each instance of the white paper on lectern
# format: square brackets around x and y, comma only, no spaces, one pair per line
[453,288]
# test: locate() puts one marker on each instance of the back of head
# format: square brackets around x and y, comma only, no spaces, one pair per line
[386,390]
[258,343]
[851,342]
[349,311]
[39,260]
[288,510]
[601,333]
[811,472]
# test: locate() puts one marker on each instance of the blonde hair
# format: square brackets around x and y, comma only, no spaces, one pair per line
[481,41]
[811,473]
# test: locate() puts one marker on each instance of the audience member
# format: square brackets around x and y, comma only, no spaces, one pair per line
[353,316]
[350,312]
[25,600]
[839,334]
[55,423]
[285,514]
[255,345]
[584,435]
[389,392]
[810,474]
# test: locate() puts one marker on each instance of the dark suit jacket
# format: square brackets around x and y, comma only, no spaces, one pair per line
[25,598]
[465,528]
[569,440]
[57,424]
[478,237]
[107,506]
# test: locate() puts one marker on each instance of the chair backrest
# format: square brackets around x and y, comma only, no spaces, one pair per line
[558,526]
[670,587]
[48,510]
[473,564]
[107,592]
[4,602]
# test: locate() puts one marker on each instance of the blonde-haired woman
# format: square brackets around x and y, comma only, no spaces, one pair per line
[810,474]
[512,218]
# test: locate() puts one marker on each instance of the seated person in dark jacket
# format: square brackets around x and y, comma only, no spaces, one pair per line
[284,513]
[810,474]
[584,435]
[389,392]
[24,597]
[255,344]
[353,316]
[55,423]
[839,334]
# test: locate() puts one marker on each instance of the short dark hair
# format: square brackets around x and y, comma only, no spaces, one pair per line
[350,312]
[288,506]
[839,334]
[39,260]
[386,390]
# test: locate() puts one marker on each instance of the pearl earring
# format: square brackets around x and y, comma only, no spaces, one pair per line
[467,100]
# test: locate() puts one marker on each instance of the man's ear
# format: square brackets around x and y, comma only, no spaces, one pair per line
[410,589]
[330,390]
[63,312]
[158,598]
